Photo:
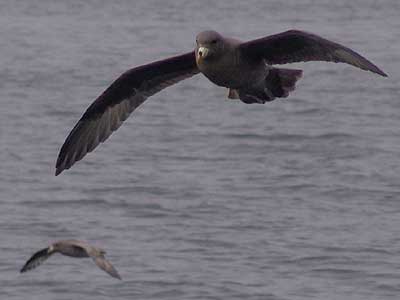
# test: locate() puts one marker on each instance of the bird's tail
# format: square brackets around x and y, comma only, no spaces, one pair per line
[282,81]
[278,84]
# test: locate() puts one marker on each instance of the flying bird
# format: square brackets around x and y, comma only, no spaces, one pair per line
[245,68]
[72,248]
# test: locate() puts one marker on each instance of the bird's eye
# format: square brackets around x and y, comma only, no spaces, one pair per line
[213,42]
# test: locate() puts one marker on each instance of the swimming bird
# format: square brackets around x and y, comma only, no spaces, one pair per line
[245,68]
[72,248]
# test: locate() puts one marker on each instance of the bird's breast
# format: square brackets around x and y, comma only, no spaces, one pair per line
[229,71]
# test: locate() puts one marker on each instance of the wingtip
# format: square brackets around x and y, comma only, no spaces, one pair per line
[375,69]
[58,171]
[24,269]
[382,73]
[115,274]
[61,167]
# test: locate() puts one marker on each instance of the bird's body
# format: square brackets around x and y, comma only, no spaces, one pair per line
[233,68]
[245,68]
[72,248]
[226,68]
[75,248]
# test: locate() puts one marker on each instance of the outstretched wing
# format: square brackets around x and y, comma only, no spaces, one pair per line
[118,101]
[36,259]
[105,265]
[299,46]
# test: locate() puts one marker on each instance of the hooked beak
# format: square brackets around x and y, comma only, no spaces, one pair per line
[50,249]
[203,52]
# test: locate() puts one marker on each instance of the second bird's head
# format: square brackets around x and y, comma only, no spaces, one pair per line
[209,45]
[54,247]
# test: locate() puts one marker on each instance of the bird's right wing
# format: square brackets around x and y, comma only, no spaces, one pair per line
[300,46]
[118,101]
[36,259]
[105,265]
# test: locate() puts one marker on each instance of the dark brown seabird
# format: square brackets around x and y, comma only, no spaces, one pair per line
[72,248]
[245,68]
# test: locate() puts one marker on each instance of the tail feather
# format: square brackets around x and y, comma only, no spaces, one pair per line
[282,81]
[278,83]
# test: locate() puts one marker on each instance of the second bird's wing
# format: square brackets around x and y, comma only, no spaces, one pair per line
[36,259]
[106,266]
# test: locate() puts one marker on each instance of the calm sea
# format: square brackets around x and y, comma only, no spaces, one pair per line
[197,197]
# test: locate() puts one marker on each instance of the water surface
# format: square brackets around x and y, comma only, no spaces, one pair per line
[197,197]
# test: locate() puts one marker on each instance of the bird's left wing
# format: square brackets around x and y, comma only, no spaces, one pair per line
[299,46]
[118,101]
[36,259]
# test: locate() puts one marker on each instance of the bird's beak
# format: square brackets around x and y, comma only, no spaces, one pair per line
[203,52]
[51,248]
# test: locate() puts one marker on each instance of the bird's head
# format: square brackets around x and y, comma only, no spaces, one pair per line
[56,246]
[50,249]
[209,45]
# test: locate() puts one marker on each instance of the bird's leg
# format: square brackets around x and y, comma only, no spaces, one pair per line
[233,94]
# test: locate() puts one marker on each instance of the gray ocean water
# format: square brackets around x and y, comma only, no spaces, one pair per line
[197,197]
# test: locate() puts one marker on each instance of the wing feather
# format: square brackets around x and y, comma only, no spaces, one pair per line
[299,46]
[112,108]
[36,259]
[106,266]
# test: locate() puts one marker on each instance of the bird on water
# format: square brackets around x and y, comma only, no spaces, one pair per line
[72,248]
[245,68]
